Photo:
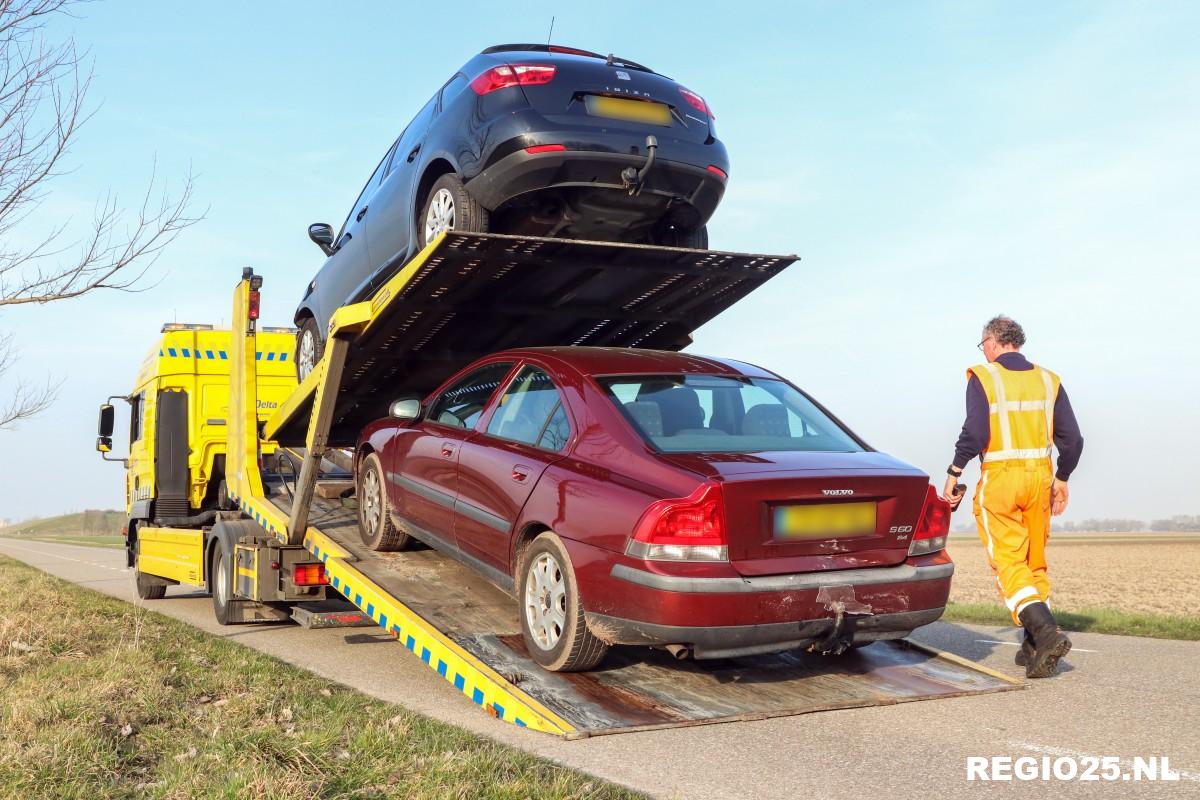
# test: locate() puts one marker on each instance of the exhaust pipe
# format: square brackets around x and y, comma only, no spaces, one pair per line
[681,652]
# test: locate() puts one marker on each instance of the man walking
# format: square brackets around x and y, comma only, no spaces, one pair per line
[1016,413]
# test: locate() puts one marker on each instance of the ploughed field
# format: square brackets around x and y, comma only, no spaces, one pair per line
[1139,573]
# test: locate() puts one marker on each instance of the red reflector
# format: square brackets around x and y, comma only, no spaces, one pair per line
[309,575]
[506,75]
[715,170]
[546,148]
[696,101]
[252,311]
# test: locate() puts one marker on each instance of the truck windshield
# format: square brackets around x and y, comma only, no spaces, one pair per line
[720,414]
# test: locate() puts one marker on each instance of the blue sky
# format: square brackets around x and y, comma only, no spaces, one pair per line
[932,163]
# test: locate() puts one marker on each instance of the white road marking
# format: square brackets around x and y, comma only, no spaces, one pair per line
[1064,752]
[1018,644]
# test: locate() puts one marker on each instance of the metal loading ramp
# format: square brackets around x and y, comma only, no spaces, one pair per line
[467,295]
[467,630]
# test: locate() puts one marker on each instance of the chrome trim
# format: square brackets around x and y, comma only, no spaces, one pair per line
[870,576]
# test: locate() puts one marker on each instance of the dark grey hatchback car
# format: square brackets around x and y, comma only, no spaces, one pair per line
[535,140]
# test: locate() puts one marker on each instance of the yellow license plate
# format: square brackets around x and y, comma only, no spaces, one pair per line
[629,110]
[828,521]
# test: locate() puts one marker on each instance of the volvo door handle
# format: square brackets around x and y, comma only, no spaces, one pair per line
[520,473]
[413,153]
[448,450]
[361,214]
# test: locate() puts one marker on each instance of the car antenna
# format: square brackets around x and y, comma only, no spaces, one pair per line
[551,33]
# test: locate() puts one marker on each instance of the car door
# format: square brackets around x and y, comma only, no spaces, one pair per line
[389,223]
[498,467]
[423,476]
[351,264]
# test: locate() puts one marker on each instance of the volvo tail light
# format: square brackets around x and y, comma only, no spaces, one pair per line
[309,575]
[689,528]
[697,102]
[506,75]
[933,527]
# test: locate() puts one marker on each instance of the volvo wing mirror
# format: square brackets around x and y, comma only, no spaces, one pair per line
[406,408]
[322,235]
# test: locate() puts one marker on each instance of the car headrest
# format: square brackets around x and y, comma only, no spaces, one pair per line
[647,415]
[766,419]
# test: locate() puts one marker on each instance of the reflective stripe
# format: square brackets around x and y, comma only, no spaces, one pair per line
[1025,604]
[1019,405]
[1018,455]
[1048,405]
[987,533]
[1022,593]
[1002,405]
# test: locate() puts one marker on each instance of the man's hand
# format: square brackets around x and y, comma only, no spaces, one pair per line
[1059,495]
[948,491]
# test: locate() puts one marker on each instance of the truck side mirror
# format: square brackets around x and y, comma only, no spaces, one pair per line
[322,235]
[104,444]
[406,408]
[105,428]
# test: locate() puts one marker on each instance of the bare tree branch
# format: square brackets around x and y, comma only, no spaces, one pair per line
[43,93]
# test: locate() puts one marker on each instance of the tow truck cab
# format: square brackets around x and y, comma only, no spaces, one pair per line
[178,409]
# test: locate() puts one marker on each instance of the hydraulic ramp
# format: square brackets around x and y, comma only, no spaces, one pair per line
[506,291]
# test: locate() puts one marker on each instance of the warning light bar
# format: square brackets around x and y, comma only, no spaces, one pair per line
[184,326]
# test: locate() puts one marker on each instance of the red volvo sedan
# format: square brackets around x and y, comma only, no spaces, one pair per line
[656,498]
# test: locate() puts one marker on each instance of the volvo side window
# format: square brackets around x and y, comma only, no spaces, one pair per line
[526,408]
[461,404]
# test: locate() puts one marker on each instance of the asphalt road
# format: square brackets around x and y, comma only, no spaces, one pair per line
[1118,696]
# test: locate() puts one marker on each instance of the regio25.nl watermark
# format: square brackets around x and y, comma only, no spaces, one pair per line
[1070,768]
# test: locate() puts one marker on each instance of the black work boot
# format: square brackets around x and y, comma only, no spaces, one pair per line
[1049,643]
[1025,652]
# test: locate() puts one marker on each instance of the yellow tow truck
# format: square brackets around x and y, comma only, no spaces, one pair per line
[268,527]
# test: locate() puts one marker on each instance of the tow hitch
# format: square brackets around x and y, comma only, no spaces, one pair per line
[634,178]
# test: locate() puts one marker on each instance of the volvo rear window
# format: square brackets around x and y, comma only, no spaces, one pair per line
[720,414]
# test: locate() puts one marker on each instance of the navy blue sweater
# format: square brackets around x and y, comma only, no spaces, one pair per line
[977,429]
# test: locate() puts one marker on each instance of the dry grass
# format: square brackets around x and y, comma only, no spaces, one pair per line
[102,699]
[1143,577]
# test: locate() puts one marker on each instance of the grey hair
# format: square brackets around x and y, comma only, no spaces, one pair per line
[1005,331]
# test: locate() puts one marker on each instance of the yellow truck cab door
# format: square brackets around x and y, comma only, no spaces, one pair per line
[139,478]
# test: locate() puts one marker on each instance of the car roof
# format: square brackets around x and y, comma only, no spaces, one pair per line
[636,361]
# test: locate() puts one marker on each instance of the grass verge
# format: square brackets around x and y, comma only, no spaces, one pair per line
[1094,620]
[102,699]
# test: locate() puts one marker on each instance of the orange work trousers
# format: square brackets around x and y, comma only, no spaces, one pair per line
[1012,509]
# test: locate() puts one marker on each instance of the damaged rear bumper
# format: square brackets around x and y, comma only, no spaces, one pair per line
[732,641]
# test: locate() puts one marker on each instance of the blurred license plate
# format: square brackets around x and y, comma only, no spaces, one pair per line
[630,110]
[829,521]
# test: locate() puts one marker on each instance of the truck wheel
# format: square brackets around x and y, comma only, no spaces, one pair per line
[309,348]
[148,587]
[552,622]
[695,238]
[222,587]
[450,207]
[374,517]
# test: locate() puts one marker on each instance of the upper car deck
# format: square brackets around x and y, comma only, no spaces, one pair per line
[468,295]
[472,637]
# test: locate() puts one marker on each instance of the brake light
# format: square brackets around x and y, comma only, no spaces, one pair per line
[506,75]
[545,148]
[572,51]
[933,527]
[688,528]
[696,101]
[309,575]
[715,170]
[252,310]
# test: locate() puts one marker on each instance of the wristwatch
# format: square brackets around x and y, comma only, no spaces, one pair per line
[954,471]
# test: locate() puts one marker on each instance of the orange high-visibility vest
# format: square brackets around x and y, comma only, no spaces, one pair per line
[1022,412]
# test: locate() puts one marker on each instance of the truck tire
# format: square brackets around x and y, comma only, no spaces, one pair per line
[224,604]
[694,238]
[148,587]
[310,346]
[374,515]
[552,621]
[449,207]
